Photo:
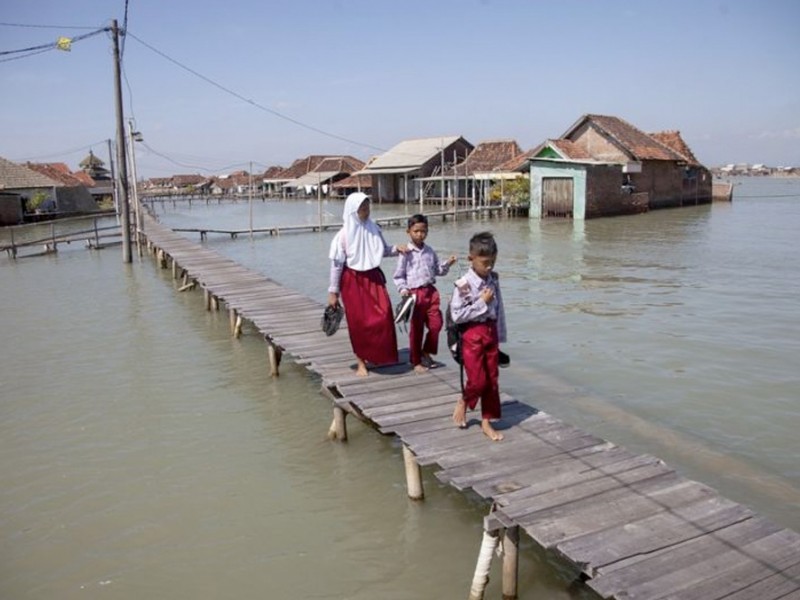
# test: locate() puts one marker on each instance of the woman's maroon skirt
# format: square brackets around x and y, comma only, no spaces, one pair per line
[369,316]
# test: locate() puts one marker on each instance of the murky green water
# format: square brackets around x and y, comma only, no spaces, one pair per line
[145,453]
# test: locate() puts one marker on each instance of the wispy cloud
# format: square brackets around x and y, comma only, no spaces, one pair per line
[785,134]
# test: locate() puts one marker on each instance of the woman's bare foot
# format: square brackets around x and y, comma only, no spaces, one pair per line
[420,369]
[460,414]
[490,431]
[361,370]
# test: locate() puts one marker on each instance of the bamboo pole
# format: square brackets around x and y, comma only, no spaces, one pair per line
[274,359]
[510,562]
[338,428]
[413,475]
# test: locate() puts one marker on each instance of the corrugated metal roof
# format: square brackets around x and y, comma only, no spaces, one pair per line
[409,155]
[313,178]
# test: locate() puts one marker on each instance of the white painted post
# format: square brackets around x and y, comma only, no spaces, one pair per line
[481,576]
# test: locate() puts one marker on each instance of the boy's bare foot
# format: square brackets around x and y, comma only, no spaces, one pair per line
[490,431]
[460,414]
[420,369]
[361,370]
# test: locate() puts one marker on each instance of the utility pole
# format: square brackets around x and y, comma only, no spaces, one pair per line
[122,162]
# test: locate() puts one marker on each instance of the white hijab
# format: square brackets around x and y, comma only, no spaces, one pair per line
[359,243]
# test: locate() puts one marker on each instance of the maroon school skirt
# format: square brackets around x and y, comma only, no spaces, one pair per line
[370,321]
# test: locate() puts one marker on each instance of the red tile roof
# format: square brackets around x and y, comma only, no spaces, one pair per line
[628,138]
[57,172]
[674,141]
[487,156]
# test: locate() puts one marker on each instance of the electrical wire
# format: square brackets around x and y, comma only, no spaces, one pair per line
[49,46]
[253,102]
[47,26]
[62,152]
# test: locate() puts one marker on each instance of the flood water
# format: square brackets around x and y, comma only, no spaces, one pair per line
[144,453]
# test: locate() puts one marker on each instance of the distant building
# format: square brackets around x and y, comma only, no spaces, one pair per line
[415,168]
[50,188]
[603,166]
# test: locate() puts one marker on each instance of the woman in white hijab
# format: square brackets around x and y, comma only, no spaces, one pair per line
[356,254]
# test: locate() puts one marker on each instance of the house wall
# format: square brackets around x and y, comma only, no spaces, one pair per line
[605,196]
[597,145]
[75,200]
[544,169]
[10,209]
[663,180]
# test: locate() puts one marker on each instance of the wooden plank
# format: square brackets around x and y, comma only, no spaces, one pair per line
[627,520]
[704,564]
[466,475]
[612,507]
[556,471]
[644,536]
[780,585]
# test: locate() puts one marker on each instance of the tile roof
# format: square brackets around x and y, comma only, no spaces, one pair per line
[15,176]
[340,164]
[628,138]
[57,172]
[487,156]
[518,163]
[272,172]
[301,166]
[673,140]
[354,181]
[184,180]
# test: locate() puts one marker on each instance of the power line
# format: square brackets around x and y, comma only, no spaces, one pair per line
[47,26]
[49,46]
[253,102]
[61,153]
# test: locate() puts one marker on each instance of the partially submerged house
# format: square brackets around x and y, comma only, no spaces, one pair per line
[351,184]
[74,196]
[327,172]
[604,166]
[414,169]
[473,179]
[270,186]
[54,192]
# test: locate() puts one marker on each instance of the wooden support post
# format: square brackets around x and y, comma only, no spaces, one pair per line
[237,329]
[413,475]
[274,359]
[232,318]
[510,562]
[174,269]
[207,298]
[214,303]
[338,429]
[481,576]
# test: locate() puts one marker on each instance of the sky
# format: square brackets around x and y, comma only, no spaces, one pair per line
[217,86]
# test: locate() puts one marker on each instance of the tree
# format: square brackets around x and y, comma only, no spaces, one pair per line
[515,192]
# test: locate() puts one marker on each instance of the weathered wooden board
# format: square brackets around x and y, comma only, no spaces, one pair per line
[634,527]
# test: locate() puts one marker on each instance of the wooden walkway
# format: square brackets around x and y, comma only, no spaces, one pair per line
[630,525]
[397,221]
